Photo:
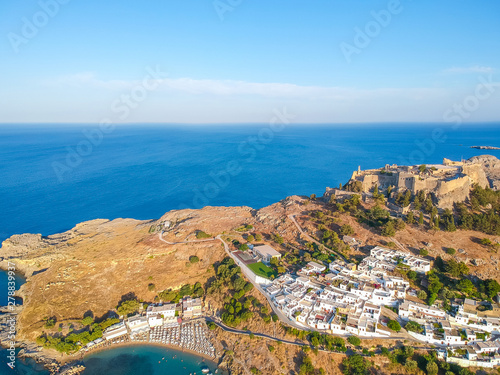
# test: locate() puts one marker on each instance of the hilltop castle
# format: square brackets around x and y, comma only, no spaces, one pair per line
[449,182]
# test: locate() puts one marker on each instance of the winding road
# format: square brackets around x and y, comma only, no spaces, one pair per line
[241,332]
[282,317]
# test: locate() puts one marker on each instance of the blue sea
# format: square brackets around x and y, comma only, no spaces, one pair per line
[55,176]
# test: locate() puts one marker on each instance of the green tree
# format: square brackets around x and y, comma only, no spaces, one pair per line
[456,269]
[346,230]
[354,340]
[486,242]
[354,365]
[450,224]
[428,204]
[422,168]
[239,283]
[388,229]
[410,218]
[421,218]
[411,365]
[87,321]
[466,286]
[414,327]
[407,198]
[258,237]
[50,322]
[194,259]
[400,224]
[423,252]
[417,203]
[248,287]
[491,287]
[436,223]
[306,367]
[434,211]
[198,290]
[450,251]
[250,238]
[201,235]
[186,290]
[422,295]
[278,239]
[394,325]
[432,368]
[128,307]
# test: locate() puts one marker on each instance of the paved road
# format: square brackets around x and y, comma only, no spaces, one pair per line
[240,332]
[282,317]
[308,237]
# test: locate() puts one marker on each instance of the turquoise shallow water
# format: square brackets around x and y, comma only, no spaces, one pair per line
[129,360]
[144,359]
[4,284]
[143,171]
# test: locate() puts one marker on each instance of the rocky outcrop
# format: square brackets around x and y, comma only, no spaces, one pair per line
[486,147]
[491,167]
[476,173]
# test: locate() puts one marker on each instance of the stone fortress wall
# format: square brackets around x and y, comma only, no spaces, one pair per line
[449,182]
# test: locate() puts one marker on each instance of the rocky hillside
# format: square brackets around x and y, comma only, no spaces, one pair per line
[491,166]
[89,268]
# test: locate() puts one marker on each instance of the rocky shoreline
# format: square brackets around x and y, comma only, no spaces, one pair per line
[485,147]
[31,351]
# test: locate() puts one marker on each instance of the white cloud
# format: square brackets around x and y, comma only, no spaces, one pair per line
[84,97]
[240,88]
[469,70]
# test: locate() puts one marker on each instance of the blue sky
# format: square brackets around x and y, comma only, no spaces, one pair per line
[237,61]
